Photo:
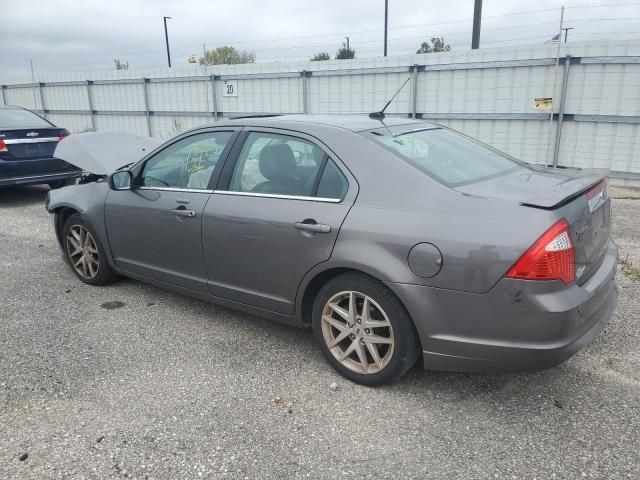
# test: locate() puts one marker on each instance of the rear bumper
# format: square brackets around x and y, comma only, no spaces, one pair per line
[36,171]
[518,325]
[38,179]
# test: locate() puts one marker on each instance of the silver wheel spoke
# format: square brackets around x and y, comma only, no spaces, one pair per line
[353,309]
[74,243]
[378,339]
[340,311]
[336,323]
[362,356]
[366,307]
[79,261]
[376,323]
[375,355]
[347,352]
[90,267]
[76,236]
[84,265]
[344,334]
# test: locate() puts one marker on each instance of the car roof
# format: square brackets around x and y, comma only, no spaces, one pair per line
[354,123]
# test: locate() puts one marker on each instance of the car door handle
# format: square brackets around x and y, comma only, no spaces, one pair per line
[313,227]
[181,212]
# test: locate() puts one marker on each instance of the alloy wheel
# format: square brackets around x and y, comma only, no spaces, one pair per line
[82,251]
[357,332]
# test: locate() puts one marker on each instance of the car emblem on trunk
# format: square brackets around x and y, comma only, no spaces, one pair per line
[32,134]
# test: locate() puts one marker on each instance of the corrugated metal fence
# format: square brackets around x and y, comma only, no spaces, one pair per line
[494,95]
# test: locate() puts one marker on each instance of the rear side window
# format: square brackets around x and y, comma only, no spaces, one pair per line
[333,183]
[448,157]
[18,118]
[277,164]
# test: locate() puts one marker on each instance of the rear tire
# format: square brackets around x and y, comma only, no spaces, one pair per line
[363,330]
[85,253]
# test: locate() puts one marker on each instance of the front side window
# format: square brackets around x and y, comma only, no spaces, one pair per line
[188,163]
[447,156]
[277,164]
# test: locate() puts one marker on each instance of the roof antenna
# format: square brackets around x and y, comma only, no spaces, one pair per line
[380,115]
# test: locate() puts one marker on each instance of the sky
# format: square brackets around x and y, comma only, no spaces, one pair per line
[68,36]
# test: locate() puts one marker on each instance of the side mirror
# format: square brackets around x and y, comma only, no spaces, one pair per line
[121,180]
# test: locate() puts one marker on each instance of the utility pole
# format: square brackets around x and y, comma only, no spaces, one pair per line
[477,17]
[566,32]
[33,82]
[386,22]
[348,51]
[166,39]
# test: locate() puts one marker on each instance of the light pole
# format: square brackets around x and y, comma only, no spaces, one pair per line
[477,18]
[386,21]
[566,33]
[166,39]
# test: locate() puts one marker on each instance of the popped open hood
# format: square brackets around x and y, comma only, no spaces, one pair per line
[103,153]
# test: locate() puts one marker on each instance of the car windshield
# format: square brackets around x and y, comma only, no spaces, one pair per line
[449,157]
[18,118]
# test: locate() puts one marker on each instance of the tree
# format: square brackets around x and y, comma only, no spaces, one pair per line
[345,53]
[226,56]
[437,45]
[120,65]
[320,56]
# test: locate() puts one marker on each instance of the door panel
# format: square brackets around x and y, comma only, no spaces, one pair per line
[155,229]
[254,252]
[157,233]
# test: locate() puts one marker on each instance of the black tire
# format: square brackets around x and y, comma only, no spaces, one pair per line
[406,346]
[105,274]
[61,183]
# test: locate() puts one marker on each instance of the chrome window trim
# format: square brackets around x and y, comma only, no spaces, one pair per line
[176,189]
[13,141]
[283,197]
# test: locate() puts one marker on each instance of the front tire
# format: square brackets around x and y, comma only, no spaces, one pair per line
[363,330]
[85,253]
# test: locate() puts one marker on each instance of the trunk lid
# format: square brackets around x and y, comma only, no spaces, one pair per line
[30,143]
[580,196]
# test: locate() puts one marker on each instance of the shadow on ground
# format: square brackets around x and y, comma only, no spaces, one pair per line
[22,196]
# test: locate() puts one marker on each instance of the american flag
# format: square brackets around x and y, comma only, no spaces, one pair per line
[554,39]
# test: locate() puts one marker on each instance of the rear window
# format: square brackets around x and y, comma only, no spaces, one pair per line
[18,118]
[449,157]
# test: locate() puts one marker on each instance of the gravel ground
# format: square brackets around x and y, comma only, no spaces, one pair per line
[164,386]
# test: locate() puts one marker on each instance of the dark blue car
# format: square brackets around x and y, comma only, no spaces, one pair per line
[27,143]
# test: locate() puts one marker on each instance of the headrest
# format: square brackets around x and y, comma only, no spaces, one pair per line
[276,162]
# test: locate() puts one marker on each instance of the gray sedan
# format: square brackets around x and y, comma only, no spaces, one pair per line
[394,239]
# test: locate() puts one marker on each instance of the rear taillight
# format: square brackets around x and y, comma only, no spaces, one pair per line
[63,135]
[3,146]
[551,257]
